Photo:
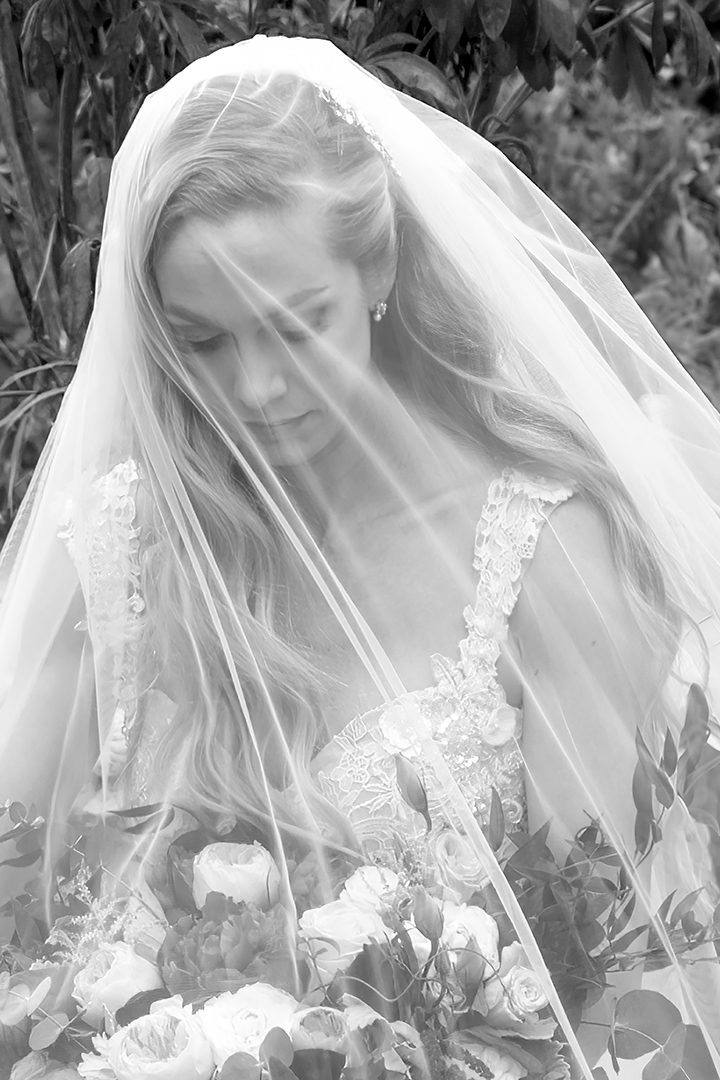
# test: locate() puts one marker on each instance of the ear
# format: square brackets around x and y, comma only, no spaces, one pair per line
[380,289]
[379,285]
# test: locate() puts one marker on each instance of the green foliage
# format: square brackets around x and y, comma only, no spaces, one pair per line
[645,187]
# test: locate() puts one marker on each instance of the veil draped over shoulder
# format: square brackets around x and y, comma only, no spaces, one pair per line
[379,527]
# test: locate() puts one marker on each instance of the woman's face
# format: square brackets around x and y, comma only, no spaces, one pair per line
[269,319]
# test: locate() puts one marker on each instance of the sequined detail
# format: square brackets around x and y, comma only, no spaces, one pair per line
[466,710]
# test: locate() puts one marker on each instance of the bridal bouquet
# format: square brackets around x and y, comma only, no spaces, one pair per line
[413,971]
[401,975]
[232,967]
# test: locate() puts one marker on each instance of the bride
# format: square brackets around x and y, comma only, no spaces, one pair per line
[372,480]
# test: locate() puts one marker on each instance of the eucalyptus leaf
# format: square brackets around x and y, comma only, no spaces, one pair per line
[641,1021]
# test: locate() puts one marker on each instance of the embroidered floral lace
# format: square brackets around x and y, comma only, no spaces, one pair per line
[466,708]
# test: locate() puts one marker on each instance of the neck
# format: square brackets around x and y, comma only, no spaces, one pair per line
[389,458]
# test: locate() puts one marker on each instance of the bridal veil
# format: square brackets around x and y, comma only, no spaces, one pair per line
[151,642]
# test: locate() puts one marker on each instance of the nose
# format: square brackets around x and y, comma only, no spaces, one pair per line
[259,380]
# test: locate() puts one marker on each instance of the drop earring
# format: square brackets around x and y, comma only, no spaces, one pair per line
[379,310]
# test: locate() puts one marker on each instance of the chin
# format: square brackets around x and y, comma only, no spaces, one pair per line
[302,452]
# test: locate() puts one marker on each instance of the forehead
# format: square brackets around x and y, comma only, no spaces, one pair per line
[254,260]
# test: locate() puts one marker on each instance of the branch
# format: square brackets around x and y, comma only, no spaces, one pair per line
[32,312]
[35,203]
[637,207]
[68,105]
[19,139]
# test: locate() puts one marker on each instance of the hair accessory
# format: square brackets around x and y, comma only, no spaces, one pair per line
[379,310]
[351,116]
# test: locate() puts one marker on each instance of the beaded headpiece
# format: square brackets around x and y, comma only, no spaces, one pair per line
[350,115]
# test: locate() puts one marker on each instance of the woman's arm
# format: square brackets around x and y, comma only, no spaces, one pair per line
[588,675]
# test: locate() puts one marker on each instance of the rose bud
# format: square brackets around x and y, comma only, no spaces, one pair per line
[412,788]
[320,1028]
[470,968]
[427,915]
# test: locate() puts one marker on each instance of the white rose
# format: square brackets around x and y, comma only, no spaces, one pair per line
[320,1028]
[168,1044]
[502,1066]
[335,933]
[242,872]
[459,866]
[238,1021]
[526,993]
[463,922]
[371,885]
[114,975]
[515,992]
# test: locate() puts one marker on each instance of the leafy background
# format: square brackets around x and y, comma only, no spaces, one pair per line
[610,105]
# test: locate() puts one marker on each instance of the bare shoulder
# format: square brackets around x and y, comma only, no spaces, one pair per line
[573,582]
[575,538]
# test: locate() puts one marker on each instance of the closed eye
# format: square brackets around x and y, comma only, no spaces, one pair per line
[206,345]
[302,330]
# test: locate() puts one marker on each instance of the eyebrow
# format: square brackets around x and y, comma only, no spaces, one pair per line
[291,302]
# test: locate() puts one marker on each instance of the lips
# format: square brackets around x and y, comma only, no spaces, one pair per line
[276,426]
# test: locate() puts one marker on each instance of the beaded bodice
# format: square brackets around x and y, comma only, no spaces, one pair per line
[466,708]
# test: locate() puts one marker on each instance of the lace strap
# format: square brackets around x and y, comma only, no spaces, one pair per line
[516,509]
[103,539]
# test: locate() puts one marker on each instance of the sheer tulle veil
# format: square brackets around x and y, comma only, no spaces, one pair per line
[130,582]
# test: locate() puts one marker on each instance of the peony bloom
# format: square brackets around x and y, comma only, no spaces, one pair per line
[459,866]
[246,873]
[114,975]
[168,1044]
[320,1028]
[237,1023]
[471,927]
[227,946]
[373,886]
[515,993]
[335,933]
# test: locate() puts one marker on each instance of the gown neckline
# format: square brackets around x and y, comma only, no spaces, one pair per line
[509,483]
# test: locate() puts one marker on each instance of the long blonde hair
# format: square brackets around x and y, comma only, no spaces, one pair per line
[229,151]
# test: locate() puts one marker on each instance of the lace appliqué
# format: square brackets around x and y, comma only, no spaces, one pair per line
[466,710]
[103,540]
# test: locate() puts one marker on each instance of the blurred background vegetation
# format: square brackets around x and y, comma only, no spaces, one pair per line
[612,106]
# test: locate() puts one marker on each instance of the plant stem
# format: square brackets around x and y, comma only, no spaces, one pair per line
[622,17]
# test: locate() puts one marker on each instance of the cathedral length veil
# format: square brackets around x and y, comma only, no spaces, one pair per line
[138,627]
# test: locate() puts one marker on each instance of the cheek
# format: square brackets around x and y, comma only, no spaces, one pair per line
[355,346]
